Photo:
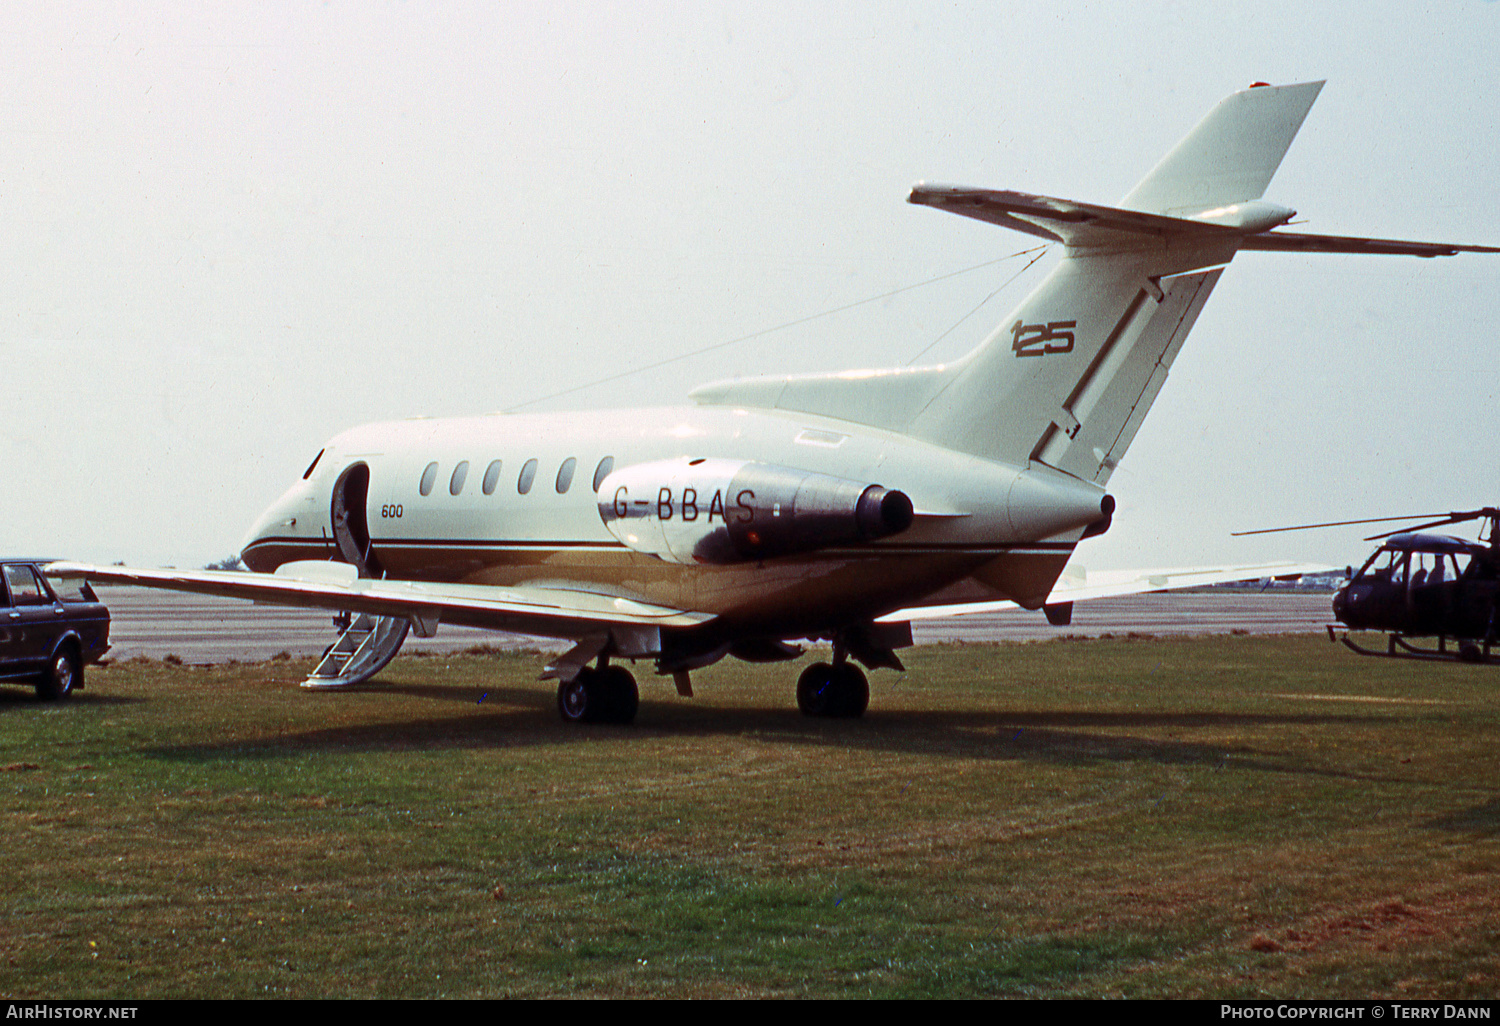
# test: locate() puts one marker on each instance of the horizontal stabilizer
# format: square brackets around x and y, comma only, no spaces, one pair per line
[1088,224]
[1292,242]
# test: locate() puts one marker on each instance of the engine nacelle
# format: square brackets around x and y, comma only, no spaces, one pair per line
[722,511]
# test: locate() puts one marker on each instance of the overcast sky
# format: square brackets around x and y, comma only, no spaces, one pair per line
[231,231]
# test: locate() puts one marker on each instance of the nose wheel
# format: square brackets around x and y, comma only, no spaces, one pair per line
[838,691]
[599,695]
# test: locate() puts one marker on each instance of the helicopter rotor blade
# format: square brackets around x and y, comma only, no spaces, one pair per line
[1490,513]
[1451,518]
[1334,523]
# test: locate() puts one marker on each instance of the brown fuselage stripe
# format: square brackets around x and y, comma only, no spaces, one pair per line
[387,544]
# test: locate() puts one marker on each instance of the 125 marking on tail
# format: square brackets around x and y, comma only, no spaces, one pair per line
[1040,339]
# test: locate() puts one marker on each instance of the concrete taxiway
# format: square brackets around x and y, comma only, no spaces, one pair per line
[204,629]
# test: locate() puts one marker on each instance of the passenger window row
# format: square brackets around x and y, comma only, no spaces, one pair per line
[523,482]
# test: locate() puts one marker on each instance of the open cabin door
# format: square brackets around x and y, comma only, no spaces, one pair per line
[350,516]
[367,643]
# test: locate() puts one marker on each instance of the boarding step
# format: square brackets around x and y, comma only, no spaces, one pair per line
[364,648]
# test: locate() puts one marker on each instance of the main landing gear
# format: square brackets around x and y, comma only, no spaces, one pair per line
[839,691]
[608,694]
[603,694]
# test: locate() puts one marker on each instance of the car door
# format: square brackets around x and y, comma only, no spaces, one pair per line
[32,617]
[10,631]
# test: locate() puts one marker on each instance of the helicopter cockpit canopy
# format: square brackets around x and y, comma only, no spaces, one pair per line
[1419,559]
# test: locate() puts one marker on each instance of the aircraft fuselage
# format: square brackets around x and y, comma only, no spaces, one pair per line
[540,522]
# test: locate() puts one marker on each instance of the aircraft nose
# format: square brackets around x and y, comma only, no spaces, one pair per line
[1350,604]
[253,545]
[265,546]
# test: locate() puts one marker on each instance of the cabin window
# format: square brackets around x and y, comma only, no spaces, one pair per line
[67,589]
[565,475]
[1415,569]
[604,469]
[1436,567]
[456,482]
[429,478]
[528,474]
[1389,565]
[491,477]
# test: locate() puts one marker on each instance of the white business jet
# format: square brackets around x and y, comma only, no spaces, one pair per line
[822,506]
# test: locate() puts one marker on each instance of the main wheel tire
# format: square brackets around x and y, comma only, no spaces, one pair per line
[621,696]
[580,700]
[64,674]
[851,690]
[816,691]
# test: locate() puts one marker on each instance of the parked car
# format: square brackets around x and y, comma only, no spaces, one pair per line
[50,628]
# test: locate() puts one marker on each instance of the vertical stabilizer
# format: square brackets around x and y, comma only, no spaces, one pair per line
[1111,399]
[1232,154]
[1068,377]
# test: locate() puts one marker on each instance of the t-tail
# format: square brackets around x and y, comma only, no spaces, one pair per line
[1068,377]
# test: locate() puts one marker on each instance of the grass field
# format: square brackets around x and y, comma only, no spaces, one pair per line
[1216,817]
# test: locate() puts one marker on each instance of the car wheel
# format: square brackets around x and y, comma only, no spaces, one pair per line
[64,674]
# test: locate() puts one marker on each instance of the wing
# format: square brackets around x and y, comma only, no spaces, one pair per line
[555,612]
[1077,585]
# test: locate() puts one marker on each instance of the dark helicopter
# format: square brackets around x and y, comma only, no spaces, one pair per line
[1420,585]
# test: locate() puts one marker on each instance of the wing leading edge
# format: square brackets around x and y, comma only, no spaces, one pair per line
[548,611]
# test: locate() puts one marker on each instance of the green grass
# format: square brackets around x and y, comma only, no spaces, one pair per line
[1206,817]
